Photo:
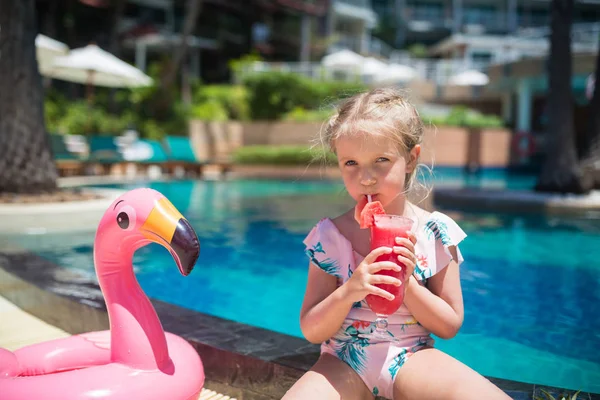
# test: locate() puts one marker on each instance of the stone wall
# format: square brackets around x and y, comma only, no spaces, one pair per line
[442,146]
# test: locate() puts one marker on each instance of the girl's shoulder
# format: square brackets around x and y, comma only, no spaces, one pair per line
[328,249]
[331,229]
[425,221]
[436,232]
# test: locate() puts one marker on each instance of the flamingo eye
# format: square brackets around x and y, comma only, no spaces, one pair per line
[123,220]
[126,218]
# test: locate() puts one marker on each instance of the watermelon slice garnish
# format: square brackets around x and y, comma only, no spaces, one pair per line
[368,212]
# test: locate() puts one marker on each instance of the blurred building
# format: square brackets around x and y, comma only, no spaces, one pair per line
[143,31]
[430,21]
[282,30]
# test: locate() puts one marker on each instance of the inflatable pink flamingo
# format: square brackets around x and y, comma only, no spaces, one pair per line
[135,359]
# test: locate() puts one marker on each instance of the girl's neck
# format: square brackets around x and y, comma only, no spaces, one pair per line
[399,206]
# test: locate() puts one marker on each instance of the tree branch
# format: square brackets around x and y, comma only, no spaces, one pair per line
[192,11]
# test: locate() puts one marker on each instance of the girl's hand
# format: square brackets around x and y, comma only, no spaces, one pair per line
[364,279]
[406,253]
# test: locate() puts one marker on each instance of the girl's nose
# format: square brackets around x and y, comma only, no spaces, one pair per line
[367,179]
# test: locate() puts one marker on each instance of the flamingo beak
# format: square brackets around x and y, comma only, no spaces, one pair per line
[167,227]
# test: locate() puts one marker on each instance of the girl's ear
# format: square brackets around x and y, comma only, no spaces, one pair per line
[413,158]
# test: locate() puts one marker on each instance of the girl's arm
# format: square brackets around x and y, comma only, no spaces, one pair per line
[438,307]
[325,306]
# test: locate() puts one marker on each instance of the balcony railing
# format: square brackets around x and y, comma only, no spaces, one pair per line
[438,71]
[488,20]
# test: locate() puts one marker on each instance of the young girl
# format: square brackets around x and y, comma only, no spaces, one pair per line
[376,137]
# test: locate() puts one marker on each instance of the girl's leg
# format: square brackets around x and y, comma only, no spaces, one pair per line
[432,374]
[329,378]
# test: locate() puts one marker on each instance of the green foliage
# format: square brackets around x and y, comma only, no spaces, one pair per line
[418,50]
[156,109]
[209,110]
[272,95]
[53,111]
[152,130]
[282,155]
[329,93]
[233,99]
[237,66]
[561,396]
[81,119]
[300,114]
[462,116]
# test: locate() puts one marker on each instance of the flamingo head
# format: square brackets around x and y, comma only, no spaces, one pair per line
[142,216]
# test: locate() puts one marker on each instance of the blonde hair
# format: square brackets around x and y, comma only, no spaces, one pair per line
[382,112]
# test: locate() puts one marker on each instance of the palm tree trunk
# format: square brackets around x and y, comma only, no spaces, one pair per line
[589,153]
[560,172]
[26,161]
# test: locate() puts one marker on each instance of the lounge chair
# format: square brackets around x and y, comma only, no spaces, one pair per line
[155,156]
[105,153]
[67,162]
[180,154]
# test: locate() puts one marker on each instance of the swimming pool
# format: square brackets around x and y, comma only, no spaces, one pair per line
[531,284]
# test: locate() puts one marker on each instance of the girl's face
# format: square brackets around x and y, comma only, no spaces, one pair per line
[375,166]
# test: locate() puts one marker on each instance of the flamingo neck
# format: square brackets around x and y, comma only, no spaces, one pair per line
[137,336]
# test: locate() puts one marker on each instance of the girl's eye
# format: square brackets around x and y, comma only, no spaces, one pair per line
[382,159]
[350,162]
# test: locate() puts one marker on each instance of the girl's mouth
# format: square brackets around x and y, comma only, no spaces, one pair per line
[373,197]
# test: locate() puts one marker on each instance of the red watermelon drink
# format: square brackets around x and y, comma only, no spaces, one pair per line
[385,229]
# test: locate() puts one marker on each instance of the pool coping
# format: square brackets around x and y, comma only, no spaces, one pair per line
[522,201]
[246,361]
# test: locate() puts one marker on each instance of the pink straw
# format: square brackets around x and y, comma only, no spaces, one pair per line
[369,198]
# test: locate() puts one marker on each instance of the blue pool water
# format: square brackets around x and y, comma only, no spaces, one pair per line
[530,283]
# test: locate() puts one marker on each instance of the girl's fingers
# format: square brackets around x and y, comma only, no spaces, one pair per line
[403,251]
[378,266]
[404,242]
[385,280]
[408,262]
[412,237]
[372,256]
[380,292]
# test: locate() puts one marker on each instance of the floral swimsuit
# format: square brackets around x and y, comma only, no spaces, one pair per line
[377,362]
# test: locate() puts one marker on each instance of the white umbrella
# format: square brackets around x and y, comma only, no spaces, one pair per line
[46,50]
[93,66]
[345,59]
[396,73]
[470,78]
[373,66]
